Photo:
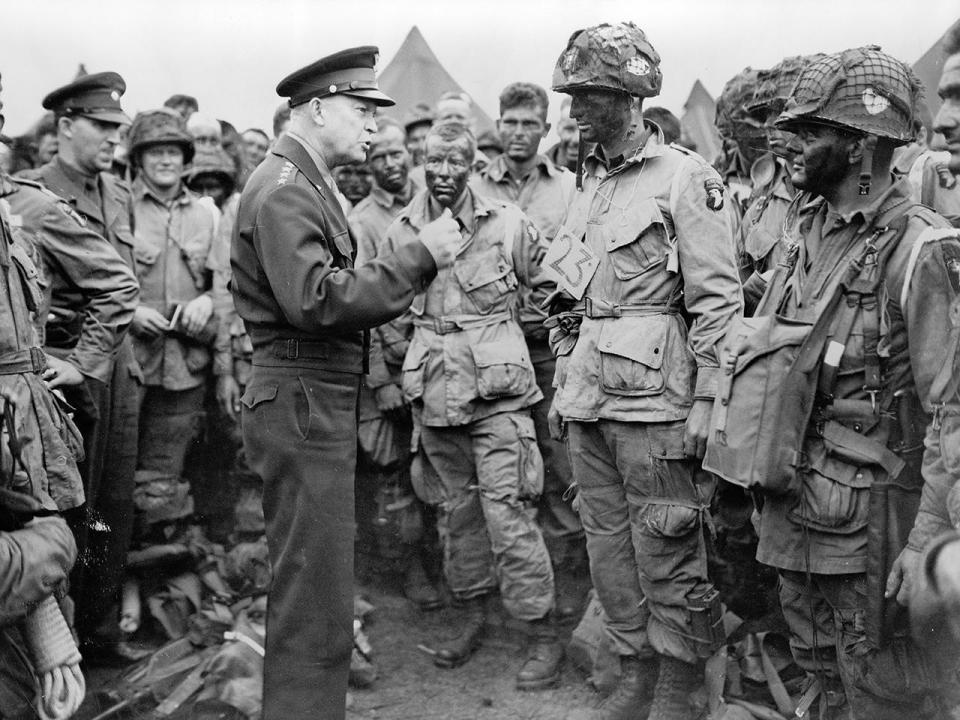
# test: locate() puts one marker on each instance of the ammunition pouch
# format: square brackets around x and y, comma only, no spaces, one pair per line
[706,620]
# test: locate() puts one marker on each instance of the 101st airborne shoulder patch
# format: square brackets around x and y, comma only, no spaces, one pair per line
[951,259]
[714,190]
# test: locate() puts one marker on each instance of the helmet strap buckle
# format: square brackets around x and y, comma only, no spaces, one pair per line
[866,165]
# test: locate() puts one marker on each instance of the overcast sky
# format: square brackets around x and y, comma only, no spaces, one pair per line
[231,53]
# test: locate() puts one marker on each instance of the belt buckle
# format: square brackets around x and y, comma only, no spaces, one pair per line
[293,349]
[38,360]
[588,306]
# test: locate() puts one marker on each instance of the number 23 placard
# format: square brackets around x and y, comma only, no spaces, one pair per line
[570,263]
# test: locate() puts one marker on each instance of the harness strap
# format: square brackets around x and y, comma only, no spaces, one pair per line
[860,293]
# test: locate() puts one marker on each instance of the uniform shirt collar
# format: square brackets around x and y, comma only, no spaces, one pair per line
[76,176]
[499,171]
[653,146]
[418,212]
[321,164]
[387,199]
[876,213]
[142,190]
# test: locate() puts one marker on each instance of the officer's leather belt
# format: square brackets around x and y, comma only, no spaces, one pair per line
[28,360]
[446,325]
[335,354]
[296,349]
[595,309]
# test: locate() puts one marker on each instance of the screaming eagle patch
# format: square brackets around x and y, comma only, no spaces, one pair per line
[714,190]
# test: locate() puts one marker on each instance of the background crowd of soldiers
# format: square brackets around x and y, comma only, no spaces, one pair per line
[117,262]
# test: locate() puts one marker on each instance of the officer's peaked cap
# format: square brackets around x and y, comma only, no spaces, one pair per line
[94,96]
[348,72]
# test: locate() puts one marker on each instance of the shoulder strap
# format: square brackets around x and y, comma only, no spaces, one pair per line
[859,291]
[512,225]
[20,180]
[928,184]
[781,274]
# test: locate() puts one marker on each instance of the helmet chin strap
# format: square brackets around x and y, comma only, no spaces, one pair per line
[866,164]
[581,154]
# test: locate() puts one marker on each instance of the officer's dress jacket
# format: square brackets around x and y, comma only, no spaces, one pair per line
[291,242]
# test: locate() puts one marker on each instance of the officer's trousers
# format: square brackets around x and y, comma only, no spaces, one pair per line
[300,436]
[642,514]
[485,468]
[825,614]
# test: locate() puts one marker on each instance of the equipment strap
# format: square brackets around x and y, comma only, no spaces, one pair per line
[27,360]
[860,292]
[871,450]
[458,323]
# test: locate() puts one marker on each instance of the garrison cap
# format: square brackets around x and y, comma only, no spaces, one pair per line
[348,72]
[94,96]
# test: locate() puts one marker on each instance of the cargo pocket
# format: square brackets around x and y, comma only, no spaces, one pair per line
[195,357]
[485,278]
[949,447]
[668,521]
[530,472]
[414,365]
[145,254]
[503,369]
[30,279]
[641,242]
[631,356]
[759,243]
[834,495]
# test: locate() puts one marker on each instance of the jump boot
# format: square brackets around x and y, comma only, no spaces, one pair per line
[455,652]
[677,682]
[630,700]
[541,668]
[417,587]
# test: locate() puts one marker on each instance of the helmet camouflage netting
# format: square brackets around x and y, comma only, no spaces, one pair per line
[862,89]
[733,118]
[610,57]
[775,85]
[159,127]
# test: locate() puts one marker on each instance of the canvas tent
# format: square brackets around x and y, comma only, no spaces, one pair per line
[415,75]
[928,69]
[699,112]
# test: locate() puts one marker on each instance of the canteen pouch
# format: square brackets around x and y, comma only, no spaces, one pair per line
[749,430]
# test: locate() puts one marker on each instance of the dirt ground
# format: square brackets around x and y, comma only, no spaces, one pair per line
[408,685]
